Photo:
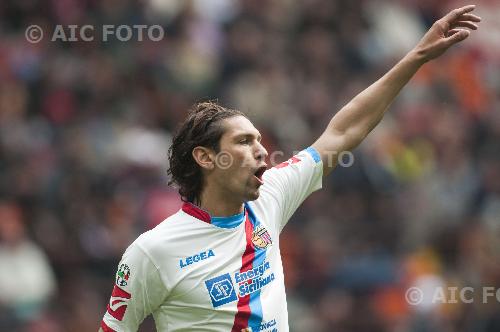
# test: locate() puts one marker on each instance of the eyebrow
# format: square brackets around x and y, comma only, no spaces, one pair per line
[259,137]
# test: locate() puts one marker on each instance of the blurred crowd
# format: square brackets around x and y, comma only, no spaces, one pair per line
[85,127]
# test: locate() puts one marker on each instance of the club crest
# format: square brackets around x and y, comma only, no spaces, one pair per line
[261,238]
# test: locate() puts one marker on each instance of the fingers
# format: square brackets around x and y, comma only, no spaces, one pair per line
[470,17]
[456,13]
[464,24]
[452,32]
[459,18]
[460,14]
[453,28]
[456,36]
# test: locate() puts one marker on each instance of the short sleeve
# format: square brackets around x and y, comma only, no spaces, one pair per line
[138,291]
[288,184]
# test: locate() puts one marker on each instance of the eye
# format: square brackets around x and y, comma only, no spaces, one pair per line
[244,141]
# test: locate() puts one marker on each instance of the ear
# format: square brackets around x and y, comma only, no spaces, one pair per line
[205,157]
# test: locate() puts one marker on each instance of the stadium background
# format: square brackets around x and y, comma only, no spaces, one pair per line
[85,126]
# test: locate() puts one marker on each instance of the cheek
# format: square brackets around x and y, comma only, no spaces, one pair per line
[240,173]
[233,174]
[237,175]
[240,163]
[235,168]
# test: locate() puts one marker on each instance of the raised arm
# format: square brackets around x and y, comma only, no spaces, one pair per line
[355,120]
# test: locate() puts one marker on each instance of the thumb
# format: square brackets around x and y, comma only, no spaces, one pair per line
[457,37]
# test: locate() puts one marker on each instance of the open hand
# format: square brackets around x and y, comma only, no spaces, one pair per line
[447,31]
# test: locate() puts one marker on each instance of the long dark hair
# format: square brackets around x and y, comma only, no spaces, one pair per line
[202,127]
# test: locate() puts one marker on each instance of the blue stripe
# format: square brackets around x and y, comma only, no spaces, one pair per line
[314,153]
[228,222]
[256,314]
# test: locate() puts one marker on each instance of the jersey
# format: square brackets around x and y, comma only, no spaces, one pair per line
[194,272]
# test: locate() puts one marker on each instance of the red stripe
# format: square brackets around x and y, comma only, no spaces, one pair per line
[120,311]
[106,328]
[243,314]
[196,212]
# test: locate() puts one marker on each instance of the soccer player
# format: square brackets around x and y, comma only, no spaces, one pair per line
[215,265]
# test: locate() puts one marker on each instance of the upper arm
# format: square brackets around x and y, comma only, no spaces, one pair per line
[331,146]
[290,182]
[138,291]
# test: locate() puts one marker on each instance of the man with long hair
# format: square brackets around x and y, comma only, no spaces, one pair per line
[215,265]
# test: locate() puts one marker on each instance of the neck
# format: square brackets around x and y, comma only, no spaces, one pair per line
[218,205]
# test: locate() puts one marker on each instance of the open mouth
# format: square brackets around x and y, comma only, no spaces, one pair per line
[260,172]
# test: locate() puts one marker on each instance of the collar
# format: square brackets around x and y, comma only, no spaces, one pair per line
[223,222]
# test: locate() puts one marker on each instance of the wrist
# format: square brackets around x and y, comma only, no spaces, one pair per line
[417,57]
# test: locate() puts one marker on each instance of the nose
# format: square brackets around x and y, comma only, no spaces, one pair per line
[261,153]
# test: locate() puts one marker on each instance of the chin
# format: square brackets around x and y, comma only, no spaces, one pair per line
[253,196]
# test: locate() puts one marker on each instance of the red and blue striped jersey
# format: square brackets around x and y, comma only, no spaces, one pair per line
[194,272]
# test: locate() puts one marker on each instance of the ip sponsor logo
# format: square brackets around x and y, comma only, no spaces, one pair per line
[269,326]
[265,327]
[221,290]
[253,280]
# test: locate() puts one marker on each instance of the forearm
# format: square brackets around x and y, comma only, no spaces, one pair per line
[356,119]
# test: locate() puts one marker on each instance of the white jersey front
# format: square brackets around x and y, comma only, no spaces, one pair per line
[197,273]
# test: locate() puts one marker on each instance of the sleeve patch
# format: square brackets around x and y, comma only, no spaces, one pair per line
[314,153]
[123,275]
[118,303]
[106,328]
[289,162]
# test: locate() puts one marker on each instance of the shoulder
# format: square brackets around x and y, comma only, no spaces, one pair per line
[159,239]
[169,236]
[306,159]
